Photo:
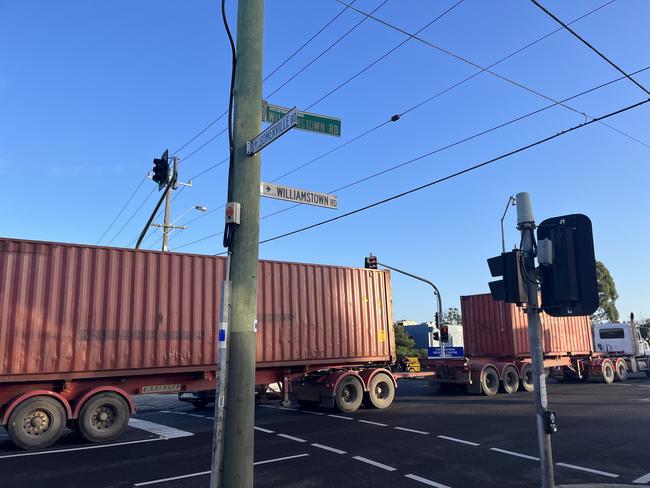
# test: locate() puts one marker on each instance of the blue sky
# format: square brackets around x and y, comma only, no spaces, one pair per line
[91,91]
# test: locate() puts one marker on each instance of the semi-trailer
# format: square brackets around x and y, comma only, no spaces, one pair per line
[85,328]
[496,355]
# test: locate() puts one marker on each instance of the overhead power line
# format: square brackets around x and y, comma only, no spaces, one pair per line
[440,149]
[122,209]
[458,173]
[132,215]
[590,46]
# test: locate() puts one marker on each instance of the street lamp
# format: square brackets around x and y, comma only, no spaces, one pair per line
[167,227]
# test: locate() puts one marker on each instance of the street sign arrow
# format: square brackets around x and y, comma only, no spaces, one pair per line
[272,132]
[298,195]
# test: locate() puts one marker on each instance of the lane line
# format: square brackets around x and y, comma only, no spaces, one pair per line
[425,481]
[588,470]
[86,448]
[262,429]
[643,479]
[158,429]
[328,448]
[455,439]
[287,408]
[373,423]
[166,411]
[512,453]
[196,415]
[412,430]
[292,438]
[267,406]
[339,416]
[374,463]
[311,412]
[279,459]
[202,473]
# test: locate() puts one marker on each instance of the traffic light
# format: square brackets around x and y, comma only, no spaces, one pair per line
[370,262]
[161,170]
[512,288]
[568,270]
[444,334]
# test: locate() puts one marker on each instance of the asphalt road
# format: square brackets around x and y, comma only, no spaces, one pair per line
[423,439]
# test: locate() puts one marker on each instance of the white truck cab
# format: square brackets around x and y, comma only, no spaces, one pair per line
[623,339]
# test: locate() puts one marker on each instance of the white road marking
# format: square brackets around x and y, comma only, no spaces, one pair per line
[261,429]
[287,408]
[588,470]
[162,430]
[328,448]
[643,479]
[373,423]
[512,453]
[292,438]
[196,415]
[173,478]
[339,416]
[374,463]
[267,406]
[279,459]
[86,448]
[202,473]
[313,413]
[166,411]
[411,430]
[455,439]
[425,481]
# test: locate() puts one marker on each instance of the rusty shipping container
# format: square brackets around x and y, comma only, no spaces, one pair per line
[498,329]
[83,311]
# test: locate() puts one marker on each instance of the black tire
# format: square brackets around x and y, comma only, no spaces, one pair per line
[381,391]
[200,403]
[620,371]
[527,378]
[349,394]
[37,423]
[490,381]
[104,417]
[608,372]
[510,380]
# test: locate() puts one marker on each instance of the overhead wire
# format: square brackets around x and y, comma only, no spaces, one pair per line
[590,46]
[458,173]
[398,116]
[132,215]
[438,150]
[483,69]
[122,209]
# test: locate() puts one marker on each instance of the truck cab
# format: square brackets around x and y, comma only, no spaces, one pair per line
[623,338]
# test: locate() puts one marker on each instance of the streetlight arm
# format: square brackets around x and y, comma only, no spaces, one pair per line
[435,289]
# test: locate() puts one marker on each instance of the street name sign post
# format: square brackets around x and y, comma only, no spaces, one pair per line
[272,132]
[307,121]
[298,195]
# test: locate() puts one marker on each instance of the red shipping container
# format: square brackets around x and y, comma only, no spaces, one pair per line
[75,311]
[498,329]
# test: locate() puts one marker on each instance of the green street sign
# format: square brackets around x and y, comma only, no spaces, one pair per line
[322,124]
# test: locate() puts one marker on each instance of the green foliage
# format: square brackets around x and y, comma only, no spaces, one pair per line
[403,342]
[452,316]
[607,296]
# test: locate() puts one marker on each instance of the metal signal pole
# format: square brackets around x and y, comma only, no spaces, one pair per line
[244,248]
[526,224]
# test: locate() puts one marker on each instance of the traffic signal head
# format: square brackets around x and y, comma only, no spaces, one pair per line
[512,288]
[370,262]
[444,333]
[161,170]
[569,285]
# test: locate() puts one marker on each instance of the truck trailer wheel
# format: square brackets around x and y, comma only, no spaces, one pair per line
[510,379]
[490,381]
[381,391]
[621,370]
[104,417]
[527,378]
[36,423]
[349,394]
[608,372]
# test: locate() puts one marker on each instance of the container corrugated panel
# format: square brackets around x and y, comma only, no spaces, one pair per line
[67,308]
[494,328]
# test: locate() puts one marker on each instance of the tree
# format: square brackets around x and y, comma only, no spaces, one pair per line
[452,316]
[403,342]
[607,296]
